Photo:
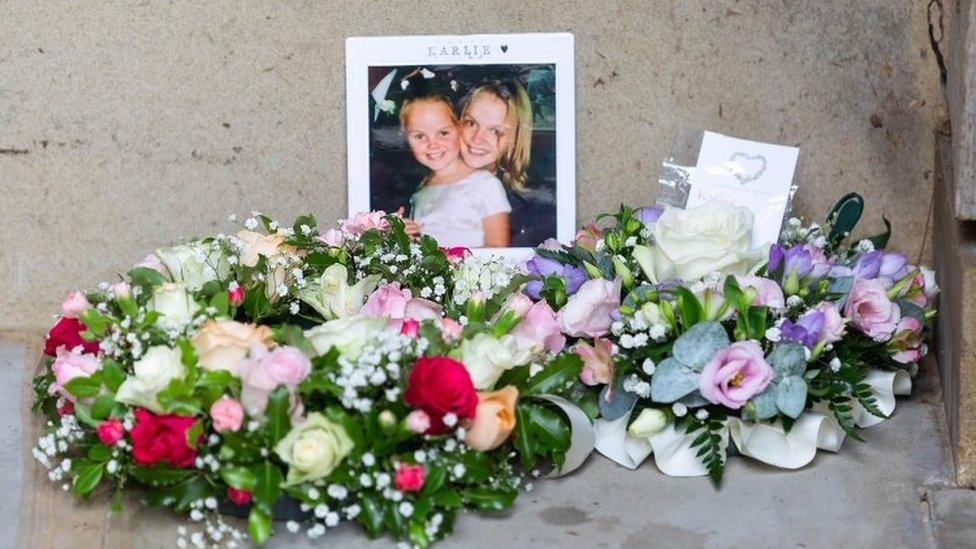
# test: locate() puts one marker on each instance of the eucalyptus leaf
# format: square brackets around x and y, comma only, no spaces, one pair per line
[788,359]
[764,404]
[699,344]
[791,396]
[619,404]
[672,380]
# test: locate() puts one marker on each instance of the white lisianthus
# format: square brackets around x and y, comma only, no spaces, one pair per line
[151,374]
[195,263]
[174,304]
[333,297]
[313,449]
[689,244]
[649,422]
[349,335]
[487,358]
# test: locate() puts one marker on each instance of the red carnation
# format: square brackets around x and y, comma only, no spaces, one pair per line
[67,333]
[440,386]
[238,497]
[161,439]
[409,478]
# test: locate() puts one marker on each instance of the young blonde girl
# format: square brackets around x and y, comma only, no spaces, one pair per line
[456,203]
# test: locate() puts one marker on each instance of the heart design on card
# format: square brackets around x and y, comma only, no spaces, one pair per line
[747,167]
[504,48]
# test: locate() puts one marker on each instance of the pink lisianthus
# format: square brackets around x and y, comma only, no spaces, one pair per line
[735,374]
[597,361]
[227,415]
[69,365]
[389,301]
[332,237]
[907,341]
[870,310]
[588,313]
[768,292]
[539,329]
[265,370]
[365,221]
[74,304]
[833,329]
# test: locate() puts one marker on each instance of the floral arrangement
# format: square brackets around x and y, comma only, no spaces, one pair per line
[692,339]
[352,375]
[310,377]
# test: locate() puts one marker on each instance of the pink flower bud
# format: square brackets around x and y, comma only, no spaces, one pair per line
[74,304]
[235,295]
[418,422]
[110,431]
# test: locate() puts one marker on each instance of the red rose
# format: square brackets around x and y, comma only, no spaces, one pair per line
[238,497]
[409,478]
[161,439]
[67,333]
[440,386]
[66,409]
[110,431]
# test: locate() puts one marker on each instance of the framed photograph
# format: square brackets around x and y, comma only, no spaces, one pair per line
[470,138]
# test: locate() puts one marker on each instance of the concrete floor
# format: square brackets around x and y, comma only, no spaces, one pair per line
[893,491]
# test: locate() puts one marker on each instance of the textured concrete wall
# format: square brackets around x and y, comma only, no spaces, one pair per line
[127,125]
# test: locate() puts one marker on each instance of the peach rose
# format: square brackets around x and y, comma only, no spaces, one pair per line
[494,419]
[223,344]
[256,245]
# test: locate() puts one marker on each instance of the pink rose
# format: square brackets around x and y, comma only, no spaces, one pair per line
[409,478]
[389,301]
[588,313]
[735,374]
[451,329]
[870,310]
[152,261]
[227,415]
[67,366]
[768,292]
[597,361]
[74,305]
[120,290]
[365,221]
[539,329]
[418,421]
[110,431]
[265,370]
[833,329]
[410,328]
[332,237]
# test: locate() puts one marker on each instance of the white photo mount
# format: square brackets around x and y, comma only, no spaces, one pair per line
[487,49]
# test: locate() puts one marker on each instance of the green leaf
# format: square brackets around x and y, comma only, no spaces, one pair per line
[489,500]
[699,344]
[102,407]
[791,396]
[221,302]
[788,359]
[880,241]
[672,380]
[763,405]
[112,375]
[448,499]
[558,375]
[95,321]
[434,480]
[146,277]
[99,452]
[690,309]
[241,478]
[259,525]
[87,477]
[83,413]
[159,475]
[267,485]
[371,515]
[84,387]
[523,441]
[279,422]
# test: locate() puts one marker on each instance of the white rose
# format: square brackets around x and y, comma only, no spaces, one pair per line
[194,263]
[486,358]
[174,304]
[348,335]
[689,244]
[151,374]
[648,423]
[333,297]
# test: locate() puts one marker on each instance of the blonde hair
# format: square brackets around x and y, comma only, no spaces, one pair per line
[514,163]
[407,104]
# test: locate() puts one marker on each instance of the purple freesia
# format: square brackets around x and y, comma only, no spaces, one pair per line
[649,214]
[802,261]
[573,277]
[879,264]
[807,330]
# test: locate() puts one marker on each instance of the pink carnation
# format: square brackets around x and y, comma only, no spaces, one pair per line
[227,415]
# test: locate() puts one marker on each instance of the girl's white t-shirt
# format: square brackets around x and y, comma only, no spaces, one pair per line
[453,213]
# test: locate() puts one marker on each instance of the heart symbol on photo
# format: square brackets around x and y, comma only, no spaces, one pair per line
[747,167]
[504,48]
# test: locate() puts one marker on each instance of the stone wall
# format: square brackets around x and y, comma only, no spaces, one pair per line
[124,126]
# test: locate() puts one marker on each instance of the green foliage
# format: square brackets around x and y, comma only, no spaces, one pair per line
[677,377]
[709,442]
[278,419]
[556,377]
[541,432]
